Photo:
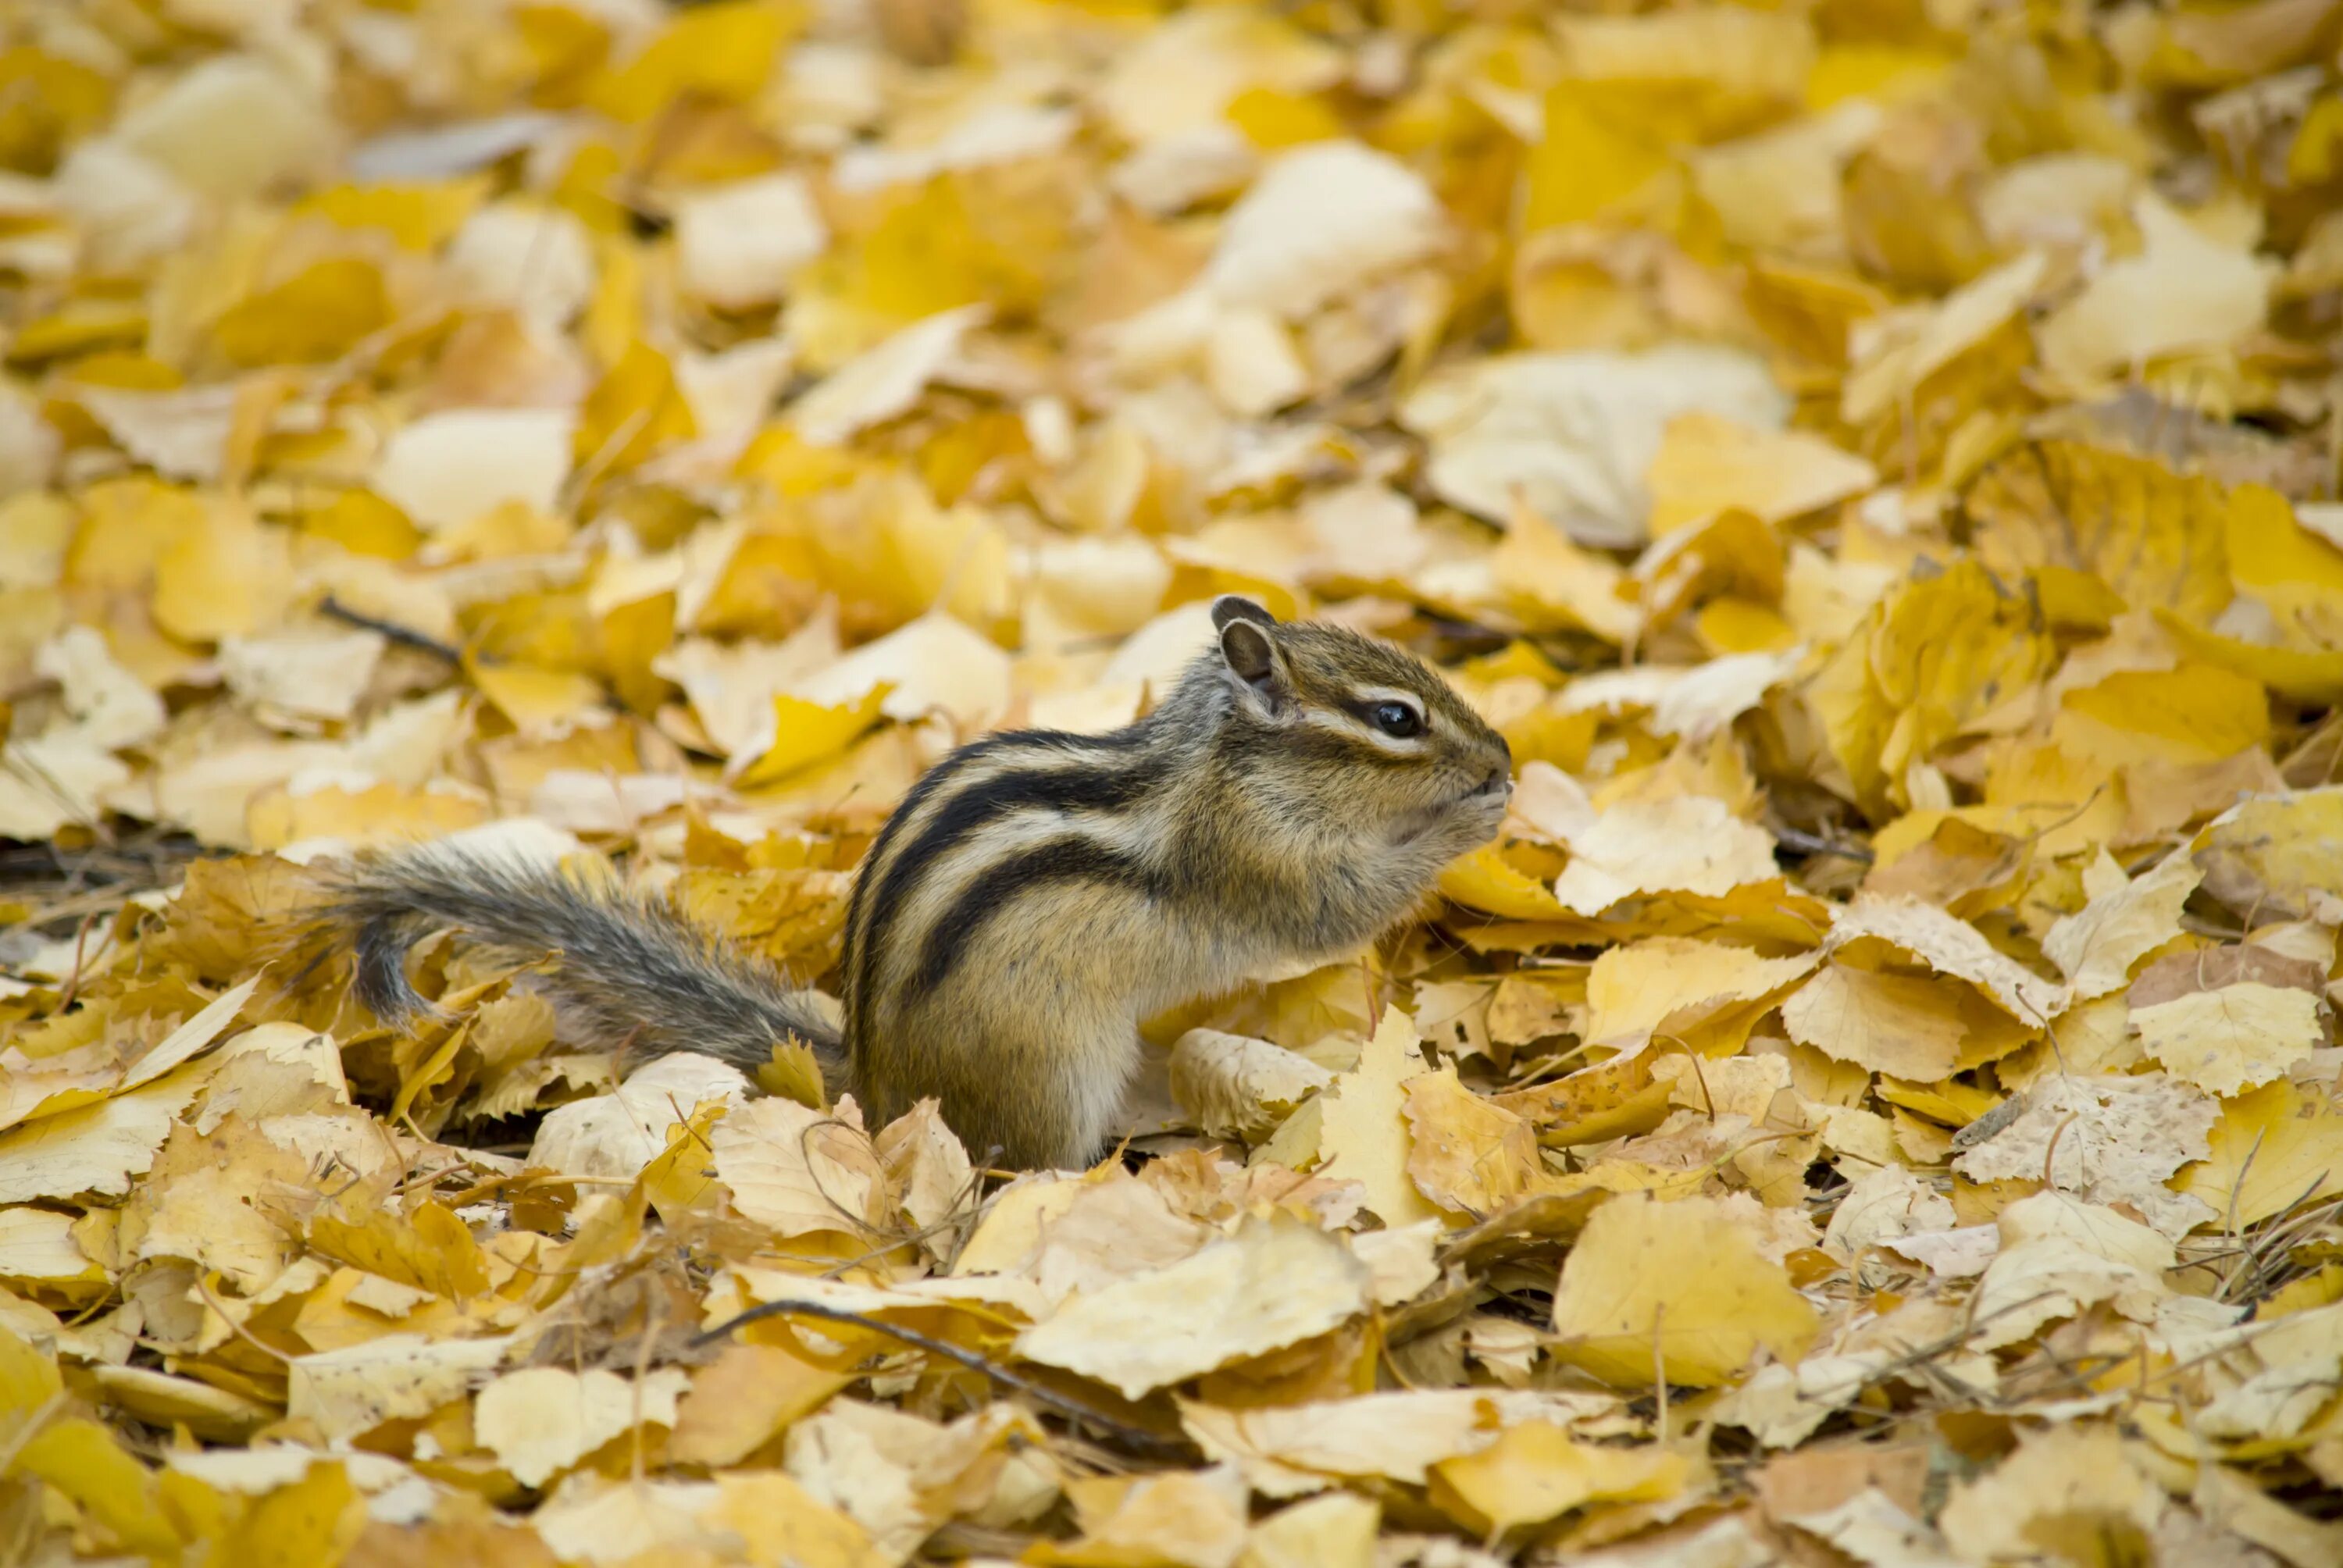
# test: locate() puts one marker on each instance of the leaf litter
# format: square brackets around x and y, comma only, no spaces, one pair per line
[1877,1102]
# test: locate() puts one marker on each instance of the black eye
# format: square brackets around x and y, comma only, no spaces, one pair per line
[1396,719]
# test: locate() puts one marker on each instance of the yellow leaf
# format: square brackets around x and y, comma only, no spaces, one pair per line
[81,1459]
[678,1177]
[28,1380]
[1910,1026]
[722,50]
[2159,539]
[798,1169]
[1705,67]
[2293,572]
[791,915]
[1976,325]
[54,100]
[1484,881]
[225,576]
[1335,1529]
[2273,1147]
[364,524]
[1950,946]
[1271,119]
[806,733]
[1669,984]
[1708,464]
[1591,165]
[2231,1039]
[1686,844]
[634,410]
[1466,1152]
[445,469]
[2314,680]
[744,1399]
[1616,1098]
[77,328]
[540,1420]
[1679,1286]
[2184,290]
[2281,856]
[1235,1085]
[420,217]
[1275,1282]
[196,1205]
[1946,648]
[1537,1471]
[2194,714]
[37,1247]
[314,1520]
[382,813]
[318,314]
[1940,651]
[778,1521]
[1554,586]
[1196,1520]
[430,1250]
[1363,1133]
[925,250]
[536,700]
[1881,71]
[2125,920]
[2071,1492]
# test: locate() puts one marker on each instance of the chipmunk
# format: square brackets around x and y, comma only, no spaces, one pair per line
[1036,894]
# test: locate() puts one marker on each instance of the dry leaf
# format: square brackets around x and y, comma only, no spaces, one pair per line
[1362,1136]
[540,1422]
[2233,1039]
[1680,1290]
[1274,1282]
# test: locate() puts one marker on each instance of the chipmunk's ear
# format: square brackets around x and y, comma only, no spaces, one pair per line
[1250,651]
[1232,607]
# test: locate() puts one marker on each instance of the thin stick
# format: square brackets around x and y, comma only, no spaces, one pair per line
[1136,1437]
[237,1329]
[1660,1369]
[406,636]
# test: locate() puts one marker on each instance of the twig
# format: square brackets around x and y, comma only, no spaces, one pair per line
[1136,1437]
[237,1329]
[406,636]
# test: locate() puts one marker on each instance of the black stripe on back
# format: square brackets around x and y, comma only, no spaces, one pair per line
[878,899]
[1068,859]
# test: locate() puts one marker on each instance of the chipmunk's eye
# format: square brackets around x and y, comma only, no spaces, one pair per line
[1396,719]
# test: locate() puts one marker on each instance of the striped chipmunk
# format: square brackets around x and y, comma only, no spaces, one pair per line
[1035,896]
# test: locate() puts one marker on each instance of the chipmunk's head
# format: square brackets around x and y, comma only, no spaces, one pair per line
[1354,730]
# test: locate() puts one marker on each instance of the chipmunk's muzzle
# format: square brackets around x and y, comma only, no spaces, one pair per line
[1477,811]
[1497,785]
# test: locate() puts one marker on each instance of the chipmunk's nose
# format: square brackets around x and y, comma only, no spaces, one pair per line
[1500,781]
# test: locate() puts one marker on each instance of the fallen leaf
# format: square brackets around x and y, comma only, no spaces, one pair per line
[1572,436]
[1676,1290]
[2233,1039]
[1465,1154]
[2105,1139]
[1363,1135]
[543,1419]
[1235,1085]
[1272,1284]
[2271,1148]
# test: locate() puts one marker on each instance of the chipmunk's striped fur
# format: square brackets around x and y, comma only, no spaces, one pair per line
[1038,893]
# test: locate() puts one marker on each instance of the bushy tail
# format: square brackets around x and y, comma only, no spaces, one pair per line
[629,971]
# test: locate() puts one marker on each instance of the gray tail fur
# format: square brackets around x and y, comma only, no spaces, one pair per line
[629,971]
